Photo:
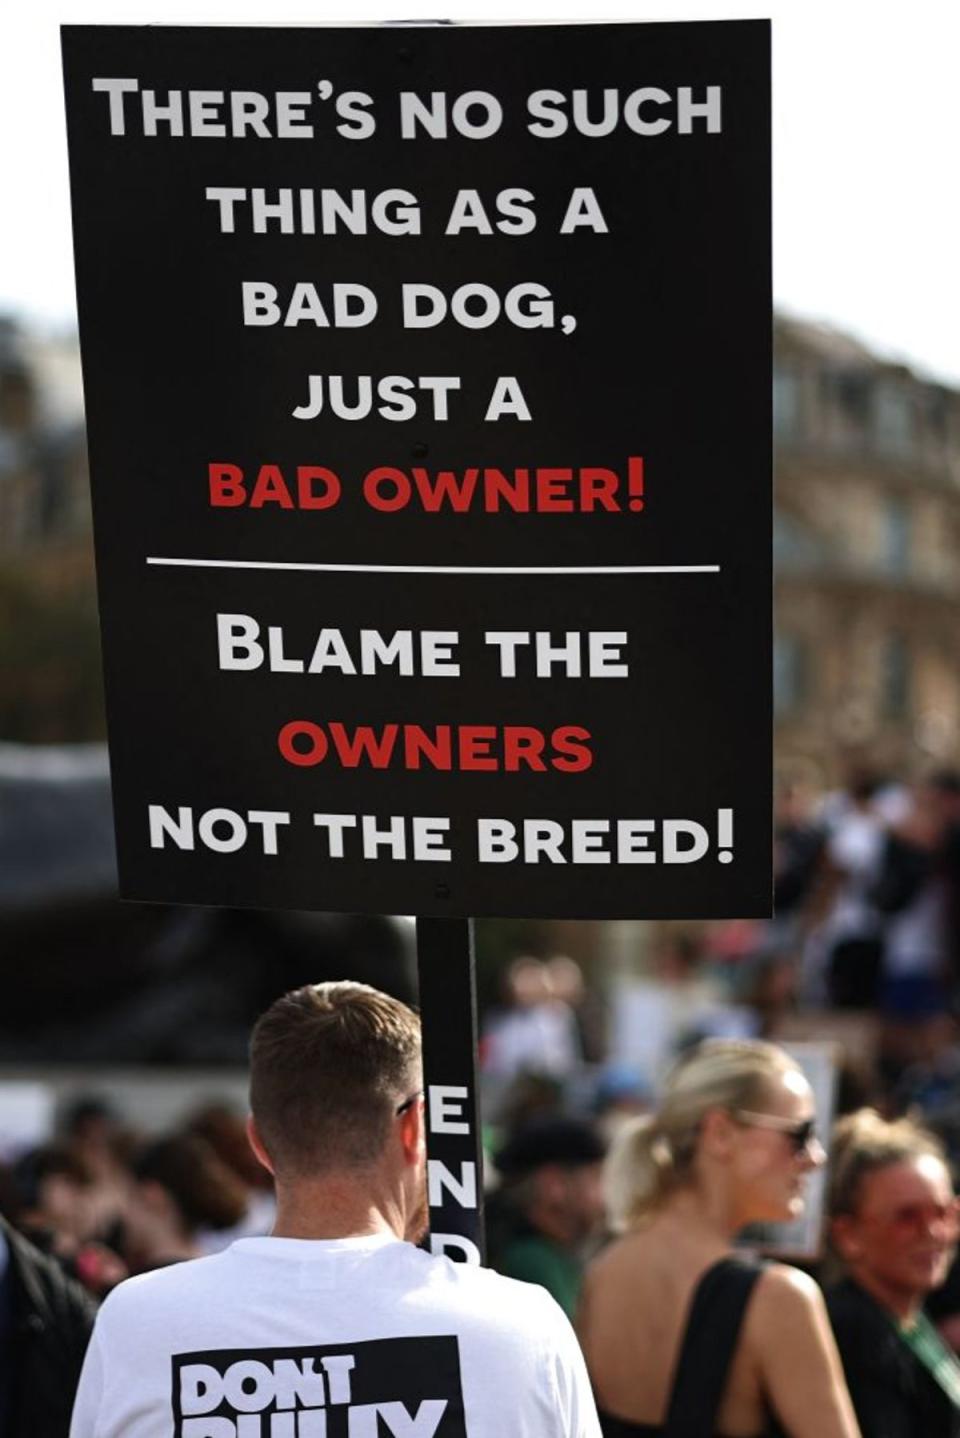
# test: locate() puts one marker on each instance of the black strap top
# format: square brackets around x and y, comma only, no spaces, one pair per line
[709,1342]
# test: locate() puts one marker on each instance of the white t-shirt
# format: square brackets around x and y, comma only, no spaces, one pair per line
[350,1338]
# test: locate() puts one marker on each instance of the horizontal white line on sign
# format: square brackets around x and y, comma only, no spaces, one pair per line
[441,568]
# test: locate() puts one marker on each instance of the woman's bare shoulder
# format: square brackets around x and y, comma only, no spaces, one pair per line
[782,1284]
[792,1347]
[786,1298]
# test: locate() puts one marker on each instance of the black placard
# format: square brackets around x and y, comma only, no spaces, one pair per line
[589,471]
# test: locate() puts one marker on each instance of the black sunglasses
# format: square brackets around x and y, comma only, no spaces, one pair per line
[408,1103]
[799,1135]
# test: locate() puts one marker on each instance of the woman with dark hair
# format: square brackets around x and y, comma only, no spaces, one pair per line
[894,1225]
[683,1337]
[180,1187]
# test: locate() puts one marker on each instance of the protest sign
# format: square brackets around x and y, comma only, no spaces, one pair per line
[427,380]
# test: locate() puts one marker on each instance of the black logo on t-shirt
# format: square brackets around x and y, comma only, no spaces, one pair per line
[386,1388]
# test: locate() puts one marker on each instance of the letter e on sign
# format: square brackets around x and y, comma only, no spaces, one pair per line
[444,1100]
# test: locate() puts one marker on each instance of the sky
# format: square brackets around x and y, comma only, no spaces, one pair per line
[866,133]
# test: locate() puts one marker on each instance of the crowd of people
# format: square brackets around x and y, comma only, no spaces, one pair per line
[867,904]
[687,1332]
[864,948]
[615,1181]
[106,1202]
[630,1222]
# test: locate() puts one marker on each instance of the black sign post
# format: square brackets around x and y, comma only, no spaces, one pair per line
[427,379]
[448,1012]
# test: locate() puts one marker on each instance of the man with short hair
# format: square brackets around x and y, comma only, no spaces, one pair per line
[334,1327]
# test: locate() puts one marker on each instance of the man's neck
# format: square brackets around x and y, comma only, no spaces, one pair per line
[334,1208]
[904,1306]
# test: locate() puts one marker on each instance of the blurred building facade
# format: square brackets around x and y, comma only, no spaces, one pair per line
[49,643]
[867,561]
[44,488]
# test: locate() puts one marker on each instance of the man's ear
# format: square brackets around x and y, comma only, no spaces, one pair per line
[413,1132]
[258,1145]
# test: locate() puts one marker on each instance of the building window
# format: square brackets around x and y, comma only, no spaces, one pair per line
[790,674]
[892,420]
[895,678]
[897,533]
[849,391]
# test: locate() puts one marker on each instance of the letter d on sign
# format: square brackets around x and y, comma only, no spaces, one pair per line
[201,1388]
[689,853]
[456,1245]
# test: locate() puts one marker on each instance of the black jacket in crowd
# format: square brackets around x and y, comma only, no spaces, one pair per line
[893,1394]
[45,1323]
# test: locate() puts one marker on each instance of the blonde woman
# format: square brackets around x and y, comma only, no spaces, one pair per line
[683,1337]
